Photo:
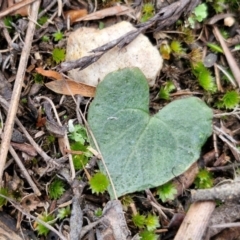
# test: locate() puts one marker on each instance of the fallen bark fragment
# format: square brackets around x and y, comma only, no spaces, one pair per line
[196,221]
[229,191]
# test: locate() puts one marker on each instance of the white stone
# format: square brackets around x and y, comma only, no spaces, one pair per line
[139,53]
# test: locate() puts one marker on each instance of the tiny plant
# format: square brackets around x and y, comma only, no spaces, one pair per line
[58,36]
[148,235]
[99,183]
[64,212]
[215,48]
[47,218]
[42,20]
[199,14]
[45,38]
[58,55]
[204,77]
[165,50]
[3,200]
[218,5]
[176,47]
[165,90]
[167,192]
[56,189]
[77,133]
[152,222]
[38,78]
[139,220]
[229,101]
[8,23]
[98,212]
[147,12]
[204,179]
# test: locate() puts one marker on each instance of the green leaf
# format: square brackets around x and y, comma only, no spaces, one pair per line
[201,12]
[56,189]
[215,48]
[167,192]
[58,55]
[78,133]
[99,183]
[143,151]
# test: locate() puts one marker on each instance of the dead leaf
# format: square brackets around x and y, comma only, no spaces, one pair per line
[70,87]
[31,202]
[49,73]
[111,11]
[73,15]
[23,11]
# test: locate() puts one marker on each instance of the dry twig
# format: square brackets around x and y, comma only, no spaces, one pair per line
[18,87]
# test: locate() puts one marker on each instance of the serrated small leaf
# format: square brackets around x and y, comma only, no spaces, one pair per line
[99,183]
[152,222]
[167,192]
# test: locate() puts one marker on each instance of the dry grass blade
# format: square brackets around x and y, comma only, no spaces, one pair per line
[15,7]
[231,61]
[18,87]
[111,11]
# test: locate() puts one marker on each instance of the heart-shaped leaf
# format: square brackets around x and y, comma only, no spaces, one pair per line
[143,151]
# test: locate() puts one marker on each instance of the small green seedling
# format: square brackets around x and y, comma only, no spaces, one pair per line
[148,235]
[176,47]
[204,76]
[204,179]
[151,222]
[77,133]
[98,212]
[218,5]
[56,189]
[167,192]
[64,212]
[199,14]
[147,12]
[58,36]
[139,220]
[165,90]
[3,200]
[229,101]
[215,48]
[58,55]
[42,20]
[99,183]
[45,38]
[38,78]
[47,218]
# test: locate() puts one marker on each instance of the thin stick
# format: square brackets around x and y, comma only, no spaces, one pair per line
[45,157]
[24,171]
[65,138]
[17,88]
[15,7]
[38,220]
